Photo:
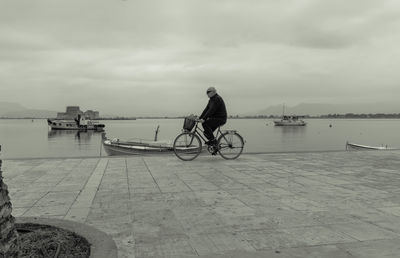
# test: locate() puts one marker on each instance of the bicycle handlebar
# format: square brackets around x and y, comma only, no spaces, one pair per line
[196,119]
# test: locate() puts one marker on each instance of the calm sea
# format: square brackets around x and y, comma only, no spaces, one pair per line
[32,139]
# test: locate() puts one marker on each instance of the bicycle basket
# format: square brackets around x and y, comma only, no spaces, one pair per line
[189,123]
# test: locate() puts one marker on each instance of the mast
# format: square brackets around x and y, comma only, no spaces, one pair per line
[155,136]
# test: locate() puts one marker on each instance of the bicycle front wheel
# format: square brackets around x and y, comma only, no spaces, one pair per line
[187,146]
[230,145]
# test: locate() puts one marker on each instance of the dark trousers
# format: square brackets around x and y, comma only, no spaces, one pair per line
[210,125]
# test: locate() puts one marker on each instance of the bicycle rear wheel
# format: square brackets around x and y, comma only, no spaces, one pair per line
[230,145]
[187,146]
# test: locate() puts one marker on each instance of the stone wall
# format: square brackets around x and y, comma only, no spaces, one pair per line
[8,233]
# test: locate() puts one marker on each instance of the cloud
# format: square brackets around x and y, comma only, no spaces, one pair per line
[157,57]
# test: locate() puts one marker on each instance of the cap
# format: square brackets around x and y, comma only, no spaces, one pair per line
[212,89]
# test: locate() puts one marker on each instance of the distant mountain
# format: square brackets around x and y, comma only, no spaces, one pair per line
[14,110]
[6,107]
[315,109]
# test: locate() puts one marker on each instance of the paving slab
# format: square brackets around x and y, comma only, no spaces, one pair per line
[322,204]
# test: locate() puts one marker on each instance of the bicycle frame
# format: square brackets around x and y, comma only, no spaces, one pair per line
[219,132]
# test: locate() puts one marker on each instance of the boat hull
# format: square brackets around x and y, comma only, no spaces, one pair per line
[353,146]
[72,125]
[115,147]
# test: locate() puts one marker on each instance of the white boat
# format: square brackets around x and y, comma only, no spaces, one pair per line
[139,146]
[74,125]
[119,147]
[290,121]
[354,146]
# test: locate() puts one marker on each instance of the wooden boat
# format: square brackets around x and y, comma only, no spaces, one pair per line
[73,125]
[139,146]
[117,147]
[354,146]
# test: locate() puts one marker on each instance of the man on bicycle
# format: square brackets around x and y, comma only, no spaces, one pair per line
[213,116]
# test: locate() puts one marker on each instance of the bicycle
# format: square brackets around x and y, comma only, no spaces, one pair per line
[187,145]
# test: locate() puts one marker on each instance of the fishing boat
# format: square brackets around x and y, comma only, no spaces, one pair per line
[56,124]
[289,120]
[118,147]
[138,146]
[354,146]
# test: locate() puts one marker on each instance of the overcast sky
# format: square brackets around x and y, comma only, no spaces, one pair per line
[159,57]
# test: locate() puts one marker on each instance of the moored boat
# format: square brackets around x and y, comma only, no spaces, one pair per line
[135,147]
[354,146]
[74,125]
[290,121]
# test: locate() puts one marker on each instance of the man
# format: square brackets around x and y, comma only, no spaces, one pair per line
[213,116]
[81,122]
[78,120]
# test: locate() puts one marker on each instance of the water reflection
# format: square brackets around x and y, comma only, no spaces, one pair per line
[79,136]
[60,133]
[291,129]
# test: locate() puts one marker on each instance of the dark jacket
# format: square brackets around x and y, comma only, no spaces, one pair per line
[215,108]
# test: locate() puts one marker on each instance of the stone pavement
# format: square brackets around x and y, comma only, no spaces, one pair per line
[328,204]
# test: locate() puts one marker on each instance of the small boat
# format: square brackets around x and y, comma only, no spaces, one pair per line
[73,125]
[354,146]
[138,146]
[118,147]
[289,120]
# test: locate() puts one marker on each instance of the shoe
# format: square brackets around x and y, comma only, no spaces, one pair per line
[215,149]
[211,142]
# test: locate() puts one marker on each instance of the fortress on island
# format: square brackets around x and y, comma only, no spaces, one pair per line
[72,112]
